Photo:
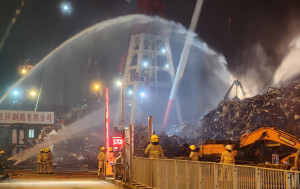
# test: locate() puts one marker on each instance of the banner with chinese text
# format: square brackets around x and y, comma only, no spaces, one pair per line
[28,117]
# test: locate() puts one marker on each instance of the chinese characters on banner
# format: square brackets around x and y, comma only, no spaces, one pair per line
[30,117]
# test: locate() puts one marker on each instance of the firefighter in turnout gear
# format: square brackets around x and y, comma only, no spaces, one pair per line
[44,160]
[102,162]
[49,162]
[194,155]
[2,161]
[227,156]
[154,150]
[110,157]
[227,159]
[39,160]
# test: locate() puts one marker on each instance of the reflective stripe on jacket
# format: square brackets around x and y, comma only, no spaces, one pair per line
[154,151]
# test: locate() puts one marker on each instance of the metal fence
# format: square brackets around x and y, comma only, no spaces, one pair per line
[181,174]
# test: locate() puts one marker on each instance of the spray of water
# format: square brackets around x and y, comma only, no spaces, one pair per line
[142,19]
[206,79]
[89,121]
[290,65]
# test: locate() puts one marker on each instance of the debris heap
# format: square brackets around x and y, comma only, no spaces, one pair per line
[77,152]
[278,107]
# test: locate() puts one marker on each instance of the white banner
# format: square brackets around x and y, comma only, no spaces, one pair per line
[29,117]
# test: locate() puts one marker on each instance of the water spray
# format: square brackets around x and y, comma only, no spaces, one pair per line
[183,59]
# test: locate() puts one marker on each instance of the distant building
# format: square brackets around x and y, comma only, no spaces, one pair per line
[19,129]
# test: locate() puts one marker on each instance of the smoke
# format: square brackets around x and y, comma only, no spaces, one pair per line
[290,66]
[255,71]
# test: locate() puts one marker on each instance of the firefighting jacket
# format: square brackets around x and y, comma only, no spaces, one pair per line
[227,158]
[154,151]
[39,157]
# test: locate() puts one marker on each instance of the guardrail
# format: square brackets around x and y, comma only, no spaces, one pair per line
[181,174]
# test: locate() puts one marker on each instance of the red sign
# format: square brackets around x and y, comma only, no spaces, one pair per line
[117,141]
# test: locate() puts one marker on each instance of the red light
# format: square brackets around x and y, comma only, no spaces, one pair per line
[106,119]
[117,142]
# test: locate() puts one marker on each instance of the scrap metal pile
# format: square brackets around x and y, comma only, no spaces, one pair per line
[78,152]
[278,107]
[170,143]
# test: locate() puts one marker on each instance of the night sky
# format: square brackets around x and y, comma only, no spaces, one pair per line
[41,27]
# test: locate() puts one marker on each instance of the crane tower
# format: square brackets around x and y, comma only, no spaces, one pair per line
[148,70]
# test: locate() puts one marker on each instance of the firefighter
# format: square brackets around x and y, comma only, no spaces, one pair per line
[227,156]
[49,162]
[110,157]
[39,160]
[101,158]
[194,155]
[2,161]
[45,160]
[154,150]
[227,159]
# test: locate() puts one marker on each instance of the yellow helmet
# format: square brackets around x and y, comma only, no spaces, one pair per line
[2,152]
[103,148]
[193,147]
[228,147]
[48,149]
[110,149]
[42,149]
[154,138]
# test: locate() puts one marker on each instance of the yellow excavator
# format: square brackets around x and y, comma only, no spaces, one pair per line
[265,141]
[255,147]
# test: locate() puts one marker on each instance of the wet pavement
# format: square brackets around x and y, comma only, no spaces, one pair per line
[60,180]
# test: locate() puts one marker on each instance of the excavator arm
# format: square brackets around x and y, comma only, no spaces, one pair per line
[271,134]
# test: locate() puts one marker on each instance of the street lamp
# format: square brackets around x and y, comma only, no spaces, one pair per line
[16,93]
[23,71]
[96,87]
[66,8]
[33,93]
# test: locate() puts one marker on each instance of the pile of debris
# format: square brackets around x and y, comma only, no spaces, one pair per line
[77,152]
[46,132]
[278,107]
[171,142]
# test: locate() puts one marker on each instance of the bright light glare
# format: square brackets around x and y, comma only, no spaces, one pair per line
[163,50]
[97,87]
[145,64]
[130,92]
[66,8]
[167,65]
[23,71]
[16,92]
[119,83]
[143,94]
[33,93]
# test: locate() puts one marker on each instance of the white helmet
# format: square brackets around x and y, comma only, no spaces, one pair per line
[228,147]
